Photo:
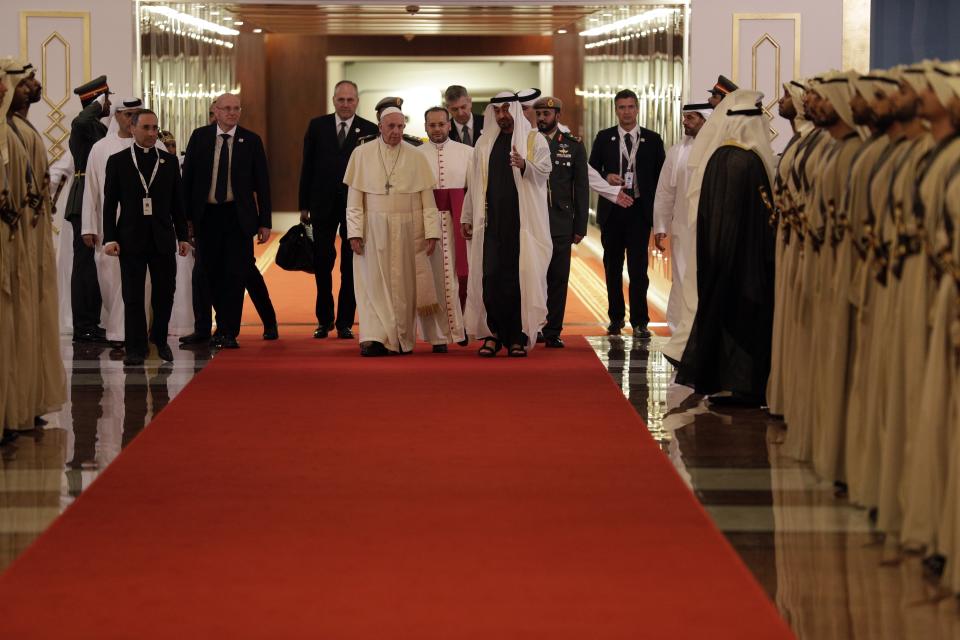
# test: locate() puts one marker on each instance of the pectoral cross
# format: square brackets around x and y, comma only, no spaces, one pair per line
[388,185]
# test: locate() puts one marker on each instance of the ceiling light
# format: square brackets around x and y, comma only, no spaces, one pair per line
[238,23]
[628,22]
[607,15]
[193,21]
[594,19]
[561,31]
[214,13]
[258,30]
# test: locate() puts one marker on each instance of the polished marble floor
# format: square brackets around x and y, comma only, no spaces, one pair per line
[815,555]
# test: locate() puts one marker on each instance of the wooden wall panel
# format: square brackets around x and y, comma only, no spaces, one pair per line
[439,46]
[567,76]
[296,88]
[251,74]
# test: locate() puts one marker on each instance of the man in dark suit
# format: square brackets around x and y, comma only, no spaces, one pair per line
[227,190]
[151,227]
[466,126]
[327,146]
[256,287]
[569,201]
[631,156]
[85,131]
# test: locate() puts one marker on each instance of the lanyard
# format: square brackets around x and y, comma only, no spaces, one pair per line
[156,167]
[632,155]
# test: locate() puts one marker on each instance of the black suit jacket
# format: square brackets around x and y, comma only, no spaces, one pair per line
[605,158]
[474,132]
[322,191]
[249,177]
[132,230]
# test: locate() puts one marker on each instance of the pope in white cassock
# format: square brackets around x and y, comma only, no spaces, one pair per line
[506,222]
[117,139]
[450,162]
[393,227]
[670,216]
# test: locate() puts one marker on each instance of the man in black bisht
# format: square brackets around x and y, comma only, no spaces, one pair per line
[729,346]
[85,131]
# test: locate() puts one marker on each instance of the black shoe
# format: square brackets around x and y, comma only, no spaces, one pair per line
[216,340]
[464,342]
[271,332]
[439,348]
[641,332]
[321,332]
[195,338]
[38,421]
[373,350]
[345,334]
[734,400]
[229,342]
[9,437]
[163,350]
[554,342]
[89,337]
[116,344]
[540,338]
[133,360]
[614,328]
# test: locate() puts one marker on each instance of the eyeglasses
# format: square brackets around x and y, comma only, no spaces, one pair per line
[230,109]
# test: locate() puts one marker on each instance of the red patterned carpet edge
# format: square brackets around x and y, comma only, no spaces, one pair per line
[296,490]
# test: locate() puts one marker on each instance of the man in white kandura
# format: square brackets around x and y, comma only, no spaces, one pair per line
[393,227]
[118,138]
[670,217]
[512,247]
[450,161]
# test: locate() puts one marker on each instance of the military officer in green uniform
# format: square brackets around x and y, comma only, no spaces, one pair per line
[568,198]
[86,130]
[390,101]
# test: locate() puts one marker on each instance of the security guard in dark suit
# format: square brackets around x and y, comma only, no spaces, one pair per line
[390,101]
[85,131]
[568,200]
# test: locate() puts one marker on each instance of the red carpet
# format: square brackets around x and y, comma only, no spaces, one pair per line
[295,490]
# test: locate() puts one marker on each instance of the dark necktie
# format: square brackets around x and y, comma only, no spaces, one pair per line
[466,136]
[342,135]
[223,167]
[628,141]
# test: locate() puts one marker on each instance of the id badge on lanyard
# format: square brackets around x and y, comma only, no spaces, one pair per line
[630,171]
[147,200]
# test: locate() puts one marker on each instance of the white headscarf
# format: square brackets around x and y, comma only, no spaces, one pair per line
[703,147]
[747,128]
[838,89]
[939,77]
[521,126]
[4,107]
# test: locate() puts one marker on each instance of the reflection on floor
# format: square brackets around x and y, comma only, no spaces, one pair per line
[814,554]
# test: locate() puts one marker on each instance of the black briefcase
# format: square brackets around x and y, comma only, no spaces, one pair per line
[296,250]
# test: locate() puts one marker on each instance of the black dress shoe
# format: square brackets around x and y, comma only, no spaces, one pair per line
[554,342]
[373,350]
[464,342]
[89,337]
[271,332]
[614,328]
[216,340]
[133,360]
[321,332]
[540,338]
[195,338]
[439,348]
[345,334]
[163,350]
[116,344]
[229,342]
[641,332]
[38,421]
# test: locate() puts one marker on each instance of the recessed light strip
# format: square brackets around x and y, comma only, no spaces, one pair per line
[619,25]
[193,21]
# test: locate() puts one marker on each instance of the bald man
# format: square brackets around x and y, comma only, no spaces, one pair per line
[227,191]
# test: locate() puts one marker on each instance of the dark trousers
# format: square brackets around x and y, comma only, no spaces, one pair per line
[227,253]
[85,297]
[324,257]
[558,277]
[625,231]
[255,285]
[163,281]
